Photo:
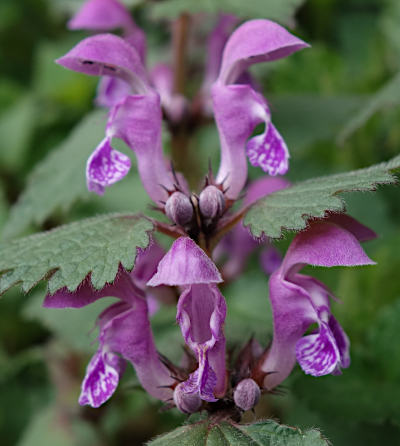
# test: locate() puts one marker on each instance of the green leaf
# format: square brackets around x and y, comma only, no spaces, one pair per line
[49,428]
[268,433]
[290,209]
[280,10]
[16,128]
[274,434]
[69,253]
[191,435]
[387,96]
[59,179]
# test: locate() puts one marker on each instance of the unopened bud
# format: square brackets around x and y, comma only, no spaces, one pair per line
[246,394]
[186,402]
[179,208]
[211,202]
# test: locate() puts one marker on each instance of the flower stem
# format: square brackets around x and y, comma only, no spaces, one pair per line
[164,228]
[179,43]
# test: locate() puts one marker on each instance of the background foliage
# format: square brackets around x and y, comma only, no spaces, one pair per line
[336,105]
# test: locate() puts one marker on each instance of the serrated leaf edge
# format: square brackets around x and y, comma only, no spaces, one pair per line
[51,272]
[390,167]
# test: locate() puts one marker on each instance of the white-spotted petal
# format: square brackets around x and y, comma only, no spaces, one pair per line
[317,353]
[105,167]
[101,380]
[269,151]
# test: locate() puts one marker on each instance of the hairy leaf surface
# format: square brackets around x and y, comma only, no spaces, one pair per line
[268,433]
[69,253]
[291,208]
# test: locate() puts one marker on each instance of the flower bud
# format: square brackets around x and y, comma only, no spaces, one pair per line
[179,208]
[186,402]
[211,202]
[246,394]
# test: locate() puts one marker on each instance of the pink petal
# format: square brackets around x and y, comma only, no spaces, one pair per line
[360,231]
[146,264]
[293,313]
[215,47]
[101,15]
[238,109]
[137,120]
[107,55]
[129,334]
[253,42]
[325,244]
[85,294]
[202,381]
[185,264]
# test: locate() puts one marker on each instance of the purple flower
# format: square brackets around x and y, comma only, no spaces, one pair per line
[185,264]
[136,119]
[108,15]
[124,333]
[238,108]
[103,16]
[201,315]
[298,301]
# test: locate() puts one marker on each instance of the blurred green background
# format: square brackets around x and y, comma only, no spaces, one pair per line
[337,106]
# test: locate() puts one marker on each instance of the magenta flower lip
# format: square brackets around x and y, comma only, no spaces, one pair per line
[124,333]
[298,301]
[253,42]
